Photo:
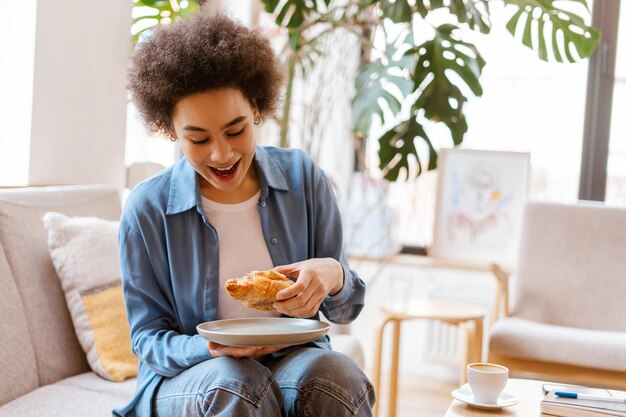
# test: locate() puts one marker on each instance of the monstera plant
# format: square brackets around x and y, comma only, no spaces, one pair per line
[423,78]
[150,13]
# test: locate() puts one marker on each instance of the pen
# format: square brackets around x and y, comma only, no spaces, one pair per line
[588,397]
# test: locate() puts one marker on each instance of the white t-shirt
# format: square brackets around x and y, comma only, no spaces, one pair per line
[242,249]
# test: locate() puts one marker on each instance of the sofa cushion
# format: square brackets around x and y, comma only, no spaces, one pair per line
[58,400]
[85,255]
[18,371]
[91,381]
[519,338]
[57,351]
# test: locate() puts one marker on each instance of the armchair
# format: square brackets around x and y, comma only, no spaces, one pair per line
[568,297]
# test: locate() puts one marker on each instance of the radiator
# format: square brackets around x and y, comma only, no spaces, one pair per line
[440,341]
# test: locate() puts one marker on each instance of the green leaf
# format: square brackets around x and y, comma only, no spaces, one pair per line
[159,6]
[398,11]
[473,12]
[572,26]
[291,13]
[440,98]
[422,8]
[372,87]
[270,5]
[397,148]
[458,127]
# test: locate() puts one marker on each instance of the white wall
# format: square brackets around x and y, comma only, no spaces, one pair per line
[17,46]
[79,94]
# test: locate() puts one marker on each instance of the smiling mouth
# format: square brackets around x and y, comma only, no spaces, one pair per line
[225,172]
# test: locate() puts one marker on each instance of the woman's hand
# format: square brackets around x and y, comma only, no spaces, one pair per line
[218,350]
[316,278]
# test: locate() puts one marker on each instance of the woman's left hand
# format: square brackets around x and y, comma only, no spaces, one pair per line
[316,278]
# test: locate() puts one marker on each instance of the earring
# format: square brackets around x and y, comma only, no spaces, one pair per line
[257,120]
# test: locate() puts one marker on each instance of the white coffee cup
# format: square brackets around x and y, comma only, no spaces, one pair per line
[487,381]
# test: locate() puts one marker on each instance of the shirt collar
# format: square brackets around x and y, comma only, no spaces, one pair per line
[185,191]
[268,171]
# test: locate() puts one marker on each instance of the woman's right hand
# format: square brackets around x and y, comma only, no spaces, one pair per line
[218,350]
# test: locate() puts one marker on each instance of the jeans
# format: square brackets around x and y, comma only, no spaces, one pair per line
[306,381]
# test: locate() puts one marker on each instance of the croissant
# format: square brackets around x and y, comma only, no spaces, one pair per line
[258,289]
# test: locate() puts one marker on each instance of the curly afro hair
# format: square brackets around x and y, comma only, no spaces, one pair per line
[198,54]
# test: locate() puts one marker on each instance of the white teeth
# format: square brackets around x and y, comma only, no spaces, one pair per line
[225,169]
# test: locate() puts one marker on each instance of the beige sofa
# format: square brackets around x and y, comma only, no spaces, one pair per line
[43,369]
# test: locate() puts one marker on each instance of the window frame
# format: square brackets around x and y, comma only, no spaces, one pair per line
[599,103]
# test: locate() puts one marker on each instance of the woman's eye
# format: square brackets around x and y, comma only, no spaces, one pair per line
[199,142]
[233,134]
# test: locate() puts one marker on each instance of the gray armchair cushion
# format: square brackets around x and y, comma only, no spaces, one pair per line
[572,266]
[524,339]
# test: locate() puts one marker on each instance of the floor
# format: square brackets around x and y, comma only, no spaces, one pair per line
[419,397]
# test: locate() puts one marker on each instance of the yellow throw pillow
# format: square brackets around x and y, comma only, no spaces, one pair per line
[84,252]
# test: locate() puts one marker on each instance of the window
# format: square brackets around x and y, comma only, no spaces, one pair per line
[616,169]
[17,56]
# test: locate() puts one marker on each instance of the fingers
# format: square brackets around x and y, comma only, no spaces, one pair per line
[309,309]
[305,304]
[291,269]
[268,349]
[218,350]
[316,279]
[293,290]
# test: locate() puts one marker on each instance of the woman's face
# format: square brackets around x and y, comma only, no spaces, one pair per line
[216,131]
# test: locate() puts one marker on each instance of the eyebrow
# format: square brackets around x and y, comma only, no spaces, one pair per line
[226,126]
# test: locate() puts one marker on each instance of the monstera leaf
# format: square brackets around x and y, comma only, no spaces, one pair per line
[440,98]
[372,86]
[469,11]
[292,13]
[399,11]
[397,147]
[473,12]
[574,31]
[157,11]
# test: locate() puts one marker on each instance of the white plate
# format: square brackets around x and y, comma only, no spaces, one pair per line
[262,331]
[464,394]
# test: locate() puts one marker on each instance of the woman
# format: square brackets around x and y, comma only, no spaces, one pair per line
[227,208]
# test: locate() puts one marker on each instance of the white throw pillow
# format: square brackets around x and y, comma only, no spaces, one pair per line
[84,252]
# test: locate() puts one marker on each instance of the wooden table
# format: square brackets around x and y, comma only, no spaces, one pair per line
[528,391]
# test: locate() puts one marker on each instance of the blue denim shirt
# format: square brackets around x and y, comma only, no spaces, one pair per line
[170,263]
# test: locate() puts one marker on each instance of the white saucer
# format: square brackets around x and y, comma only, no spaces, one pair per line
[464,394]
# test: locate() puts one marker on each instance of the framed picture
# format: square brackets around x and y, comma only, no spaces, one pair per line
[480,203]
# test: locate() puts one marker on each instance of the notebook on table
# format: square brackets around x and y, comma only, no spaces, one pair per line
[553,405]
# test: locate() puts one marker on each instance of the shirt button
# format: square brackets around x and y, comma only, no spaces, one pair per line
[274,241]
